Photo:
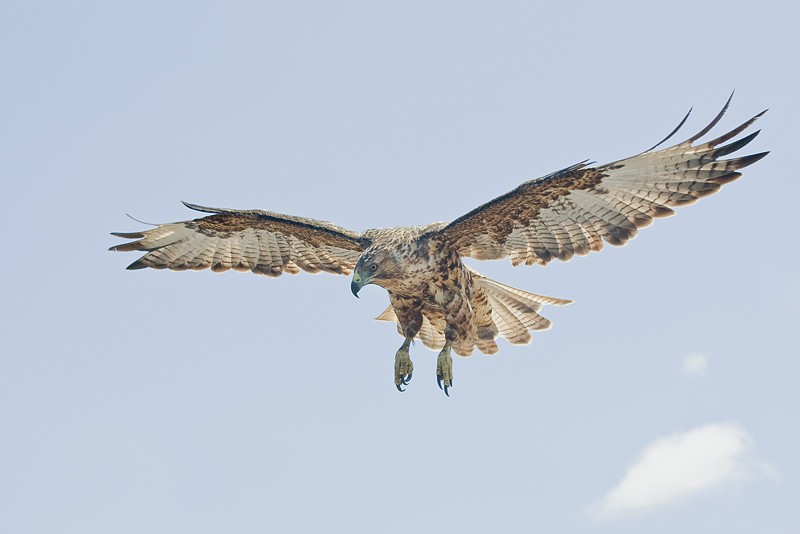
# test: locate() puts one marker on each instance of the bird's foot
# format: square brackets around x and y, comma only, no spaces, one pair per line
[444,370]
[403,368]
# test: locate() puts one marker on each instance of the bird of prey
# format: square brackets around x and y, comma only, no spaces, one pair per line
[433,296]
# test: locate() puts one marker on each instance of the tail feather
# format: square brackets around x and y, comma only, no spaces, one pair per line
[498,287]
[432,332]
[525,311]
[510,324]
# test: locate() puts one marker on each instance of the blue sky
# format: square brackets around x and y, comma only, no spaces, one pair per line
[664,399]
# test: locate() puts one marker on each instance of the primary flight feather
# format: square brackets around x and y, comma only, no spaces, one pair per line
[433,296]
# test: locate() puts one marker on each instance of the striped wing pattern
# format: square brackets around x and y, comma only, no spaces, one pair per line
[574,211]
[247,240]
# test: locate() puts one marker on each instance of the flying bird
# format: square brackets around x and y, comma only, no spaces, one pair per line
[433,295]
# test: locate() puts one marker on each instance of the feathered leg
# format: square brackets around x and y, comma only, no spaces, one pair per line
[460,330]
[409,318]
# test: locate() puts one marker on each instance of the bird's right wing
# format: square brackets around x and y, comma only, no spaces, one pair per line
[573,211]
[247,240]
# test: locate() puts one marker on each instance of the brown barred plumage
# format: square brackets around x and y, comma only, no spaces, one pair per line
[433,296]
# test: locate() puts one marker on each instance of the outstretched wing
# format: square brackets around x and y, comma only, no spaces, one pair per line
[574,210]
[252,240]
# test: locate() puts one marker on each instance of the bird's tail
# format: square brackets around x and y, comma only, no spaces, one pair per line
[514,313]
[505,311]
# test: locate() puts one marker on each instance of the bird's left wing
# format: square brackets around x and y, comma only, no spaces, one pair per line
[573,211]
[247,240]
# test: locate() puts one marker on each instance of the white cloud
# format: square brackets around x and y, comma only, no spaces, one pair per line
[683,465]
[695,364]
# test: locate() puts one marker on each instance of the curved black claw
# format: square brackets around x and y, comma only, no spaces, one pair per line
[406,379]
[444,386]
[399,388]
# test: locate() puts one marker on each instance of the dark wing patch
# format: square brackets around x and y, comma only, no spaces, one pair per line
[247,240]
[575,210]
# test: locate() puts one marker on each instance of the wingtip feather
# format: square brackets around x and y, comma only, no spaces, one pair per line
[197,207]
[127,247]
[135,266]
[746,161]
[128,235]
[713,122]
[673,132]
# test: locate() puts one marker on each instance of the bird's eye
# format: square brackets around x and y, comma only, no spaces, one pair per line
[373,267]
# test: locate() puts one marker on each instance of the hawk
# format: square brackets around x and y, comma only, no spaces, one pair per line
[433,296]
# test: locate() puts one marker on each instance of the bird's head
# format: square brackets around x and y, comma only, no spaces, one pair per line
[373,267]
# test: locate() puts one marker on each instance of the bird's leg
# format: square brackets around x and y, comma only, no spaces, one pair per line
[444,368]
[403,368]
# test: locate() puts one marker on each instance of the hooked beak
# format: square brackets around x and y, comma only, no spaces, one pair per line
[356,285]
